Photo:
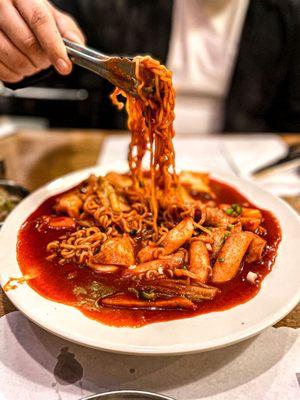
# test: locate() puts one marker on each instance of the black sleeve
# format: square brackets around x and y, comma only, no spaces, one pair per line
[284,116]
[30,80]
[292,120]
[264,92]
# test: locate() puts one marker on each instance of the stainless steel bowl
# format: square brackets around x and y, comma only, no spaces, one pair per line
[14,188]
[127,395]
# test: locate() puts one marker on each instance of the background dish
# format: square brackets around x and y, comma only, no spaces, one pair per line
[127,395]
[10,190]
[280,290]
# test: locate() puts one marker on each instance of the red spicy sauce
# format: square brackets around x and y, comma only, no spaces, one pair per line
[78,286]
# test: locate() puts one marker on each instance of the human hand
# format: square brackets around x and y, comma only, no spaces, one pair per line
[31,33]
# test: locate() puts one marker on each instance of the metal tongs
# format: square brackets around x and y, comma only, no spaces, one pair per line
[120,71]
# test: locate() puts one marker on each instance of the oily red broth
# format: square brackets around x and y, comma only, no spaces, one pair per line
[81,287]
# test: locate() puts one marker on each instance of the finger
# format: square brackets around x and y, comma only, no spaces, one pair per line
[16,29]
[14,59]
[41,21]
[67,27]
[6,75]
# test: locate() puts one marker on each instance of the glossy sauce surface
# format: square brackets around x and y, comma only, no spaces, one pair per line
[81,287]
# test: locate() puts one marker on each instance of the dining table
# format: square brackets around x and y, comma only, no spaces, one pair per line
[33,158]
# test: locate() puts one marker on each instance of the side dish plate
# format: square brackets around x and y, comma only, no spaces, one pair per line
[279,294]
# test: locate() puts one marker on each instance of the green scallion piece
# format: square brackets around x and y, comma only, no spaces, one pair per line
[226,236]
[229,211]
[237,208]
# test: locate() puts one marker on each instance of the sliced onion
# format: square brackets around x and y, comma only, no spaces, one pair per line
[208,246]
[252,277]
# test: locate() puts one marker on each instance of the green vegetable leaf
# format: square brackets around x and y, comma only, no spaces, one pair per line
[147,295]
[134,291]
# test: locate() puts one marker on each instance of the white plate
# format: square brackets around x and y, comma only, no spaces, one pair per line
[279,294]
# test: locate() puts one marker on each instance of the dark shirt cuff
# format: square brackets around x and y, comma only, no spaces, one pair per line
[31,80]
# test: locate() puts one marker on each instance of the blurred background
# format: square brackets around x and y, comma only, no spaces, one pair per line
[236,70]
[235,65]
